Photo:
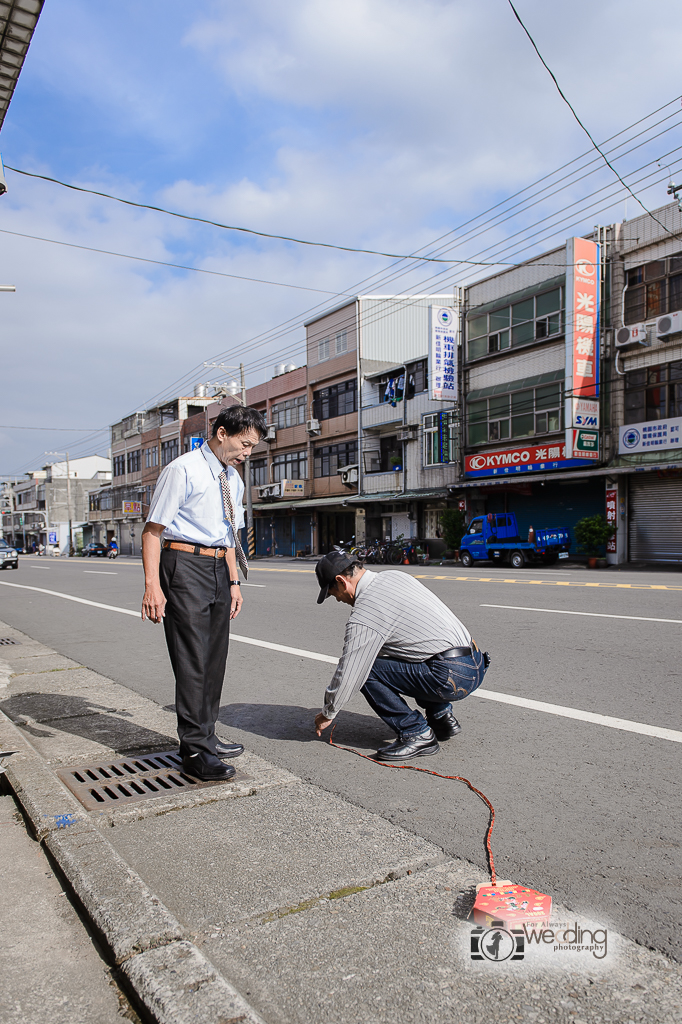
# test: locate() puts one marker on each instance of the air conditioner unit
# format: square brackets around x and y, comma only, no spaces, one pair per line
[313,427]
[671,323]
[407,434]
[349,475]
[628,337]
[270,491]
[271,434]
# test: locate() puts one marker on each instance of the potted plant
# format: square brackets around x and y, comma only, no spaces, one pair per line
[453,523]
[592,533]
[397,462]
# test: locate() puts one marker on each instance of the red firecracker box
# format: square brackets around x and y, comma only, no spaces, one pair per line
[510,904]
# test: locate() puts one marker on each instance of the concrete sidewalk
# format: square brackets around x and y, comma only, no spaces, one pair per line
[269,899]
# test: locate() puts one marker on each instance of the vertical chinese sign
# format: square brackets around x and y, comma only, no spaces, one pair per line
[443,329]
[582,338]
[612,516]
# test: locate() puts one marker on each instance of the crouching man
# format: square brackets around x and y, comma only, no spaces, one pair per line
[400,641]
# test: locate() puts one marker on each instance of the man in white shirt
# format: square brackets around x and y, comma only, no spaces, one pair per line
[190,550]
[401,640]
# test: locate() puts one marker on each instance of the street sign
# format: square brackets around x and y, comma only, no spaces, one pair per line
[612,516]
[132,508]
[586,444]
[52,537]
[585,412]
[195,442]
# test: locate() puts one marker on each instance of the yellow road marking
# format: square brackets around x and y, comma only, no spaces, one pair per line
[491,579]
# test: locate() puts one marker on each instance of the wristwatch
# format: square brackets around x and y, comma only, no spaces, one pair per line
[235,583]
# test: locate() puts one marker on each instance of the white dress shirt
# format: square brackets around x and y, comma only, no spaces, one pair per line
[394,616]
[189,503]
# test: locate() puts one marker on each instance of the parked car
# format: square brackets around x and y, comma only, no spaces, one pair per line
[9,557]
[93,548]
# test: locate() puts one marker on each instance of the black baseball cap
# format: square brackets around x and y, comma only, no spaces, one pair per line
[331,565]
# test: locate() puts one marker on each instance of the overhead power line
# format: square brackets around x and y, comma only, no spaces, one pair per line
[586,130]
[163,263]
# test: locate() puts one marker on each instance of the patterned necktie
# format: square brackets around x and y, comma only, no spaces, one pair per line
[229,512]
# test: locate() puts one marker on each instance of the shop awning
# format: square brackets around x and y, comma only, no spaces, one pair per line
[557,475]
[270,506]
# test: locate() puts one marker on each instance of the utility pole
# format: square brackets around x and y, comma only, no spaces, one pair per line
[68,506]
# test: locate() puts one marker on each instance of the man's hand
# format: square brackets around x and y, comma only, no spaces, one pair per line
[321,723]
[237,601]
[153,603]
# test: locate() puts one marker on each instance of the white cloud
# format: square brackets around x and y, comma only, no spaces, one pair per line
[376,123]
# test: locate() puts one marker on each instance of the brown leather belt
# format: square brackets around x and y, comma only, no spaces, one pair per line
[194,549]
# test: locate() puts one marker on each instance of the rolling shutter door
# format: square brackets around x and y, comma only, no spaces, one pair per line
[655,520]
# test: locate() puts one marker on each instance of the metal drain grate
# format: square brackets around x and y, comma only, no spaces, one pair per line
[6,640]
[108,783]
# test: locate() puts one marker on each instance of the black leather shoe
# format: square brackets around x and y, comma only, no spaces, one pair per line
[228,749]
[445,727]
[416,746]
[207,768]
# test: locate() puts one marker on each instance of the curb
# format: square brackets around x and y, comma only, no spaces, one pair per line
[170,977]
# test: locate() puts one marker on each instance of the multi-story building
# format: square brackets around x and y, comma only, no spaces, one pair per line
[141,445]
[38,508]
[408,420]
[645,480]
[523,374]
[304,474]
[572,388]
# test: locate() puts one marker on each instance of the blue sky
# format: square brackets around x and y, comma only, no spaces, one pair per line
[374,123]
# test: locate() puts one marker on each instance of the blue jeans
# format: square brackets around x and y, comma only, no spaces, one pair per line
[433,684]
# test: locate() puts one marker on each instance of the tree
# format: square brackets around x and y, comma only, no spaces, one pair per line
[592,533]
[453,524]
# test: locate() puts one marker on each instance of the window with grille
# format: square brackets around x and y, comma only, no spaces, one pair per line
[331,457]
[119,465]
[516,415]
[169,451]
[654,393]
[440,432]
[323,349]
[151,457]
[290,466]
[514,324]
[134,461]
[653,289]
[336,400]
[289,413]
[259,472]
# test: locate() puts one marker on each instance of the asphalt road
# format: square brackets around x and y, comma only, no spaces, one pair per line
[586,812]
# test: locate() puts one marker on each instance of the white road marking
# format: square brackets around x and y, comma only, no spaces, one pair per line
[262,586]
[100,572]
[39,566]
[503,698]
[582,716]
[563,611]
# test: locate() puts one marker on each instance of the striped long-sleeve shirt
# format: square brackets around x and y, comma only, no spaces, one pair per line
[394,616]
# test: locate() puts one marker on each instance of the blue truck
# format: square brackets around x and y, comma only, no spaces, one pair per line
[495,538]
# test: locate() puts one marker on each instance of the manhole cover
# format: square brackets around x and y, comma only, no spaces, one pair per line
[6,640]
[109,783]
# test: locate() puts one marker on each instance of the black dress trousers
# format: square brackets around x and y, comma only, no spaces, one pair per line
[197,626]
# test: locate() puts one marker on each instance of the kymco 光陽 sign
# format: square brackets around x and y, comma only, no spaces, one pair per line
[516,461]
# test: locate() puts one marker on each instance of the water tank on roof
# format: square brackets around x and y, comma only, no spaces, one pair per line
[200,391]
[279,370]
[289,367]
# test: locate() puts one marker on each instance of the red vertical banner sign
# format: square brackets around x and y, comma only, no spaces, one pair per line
[612,516]
[582,331]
